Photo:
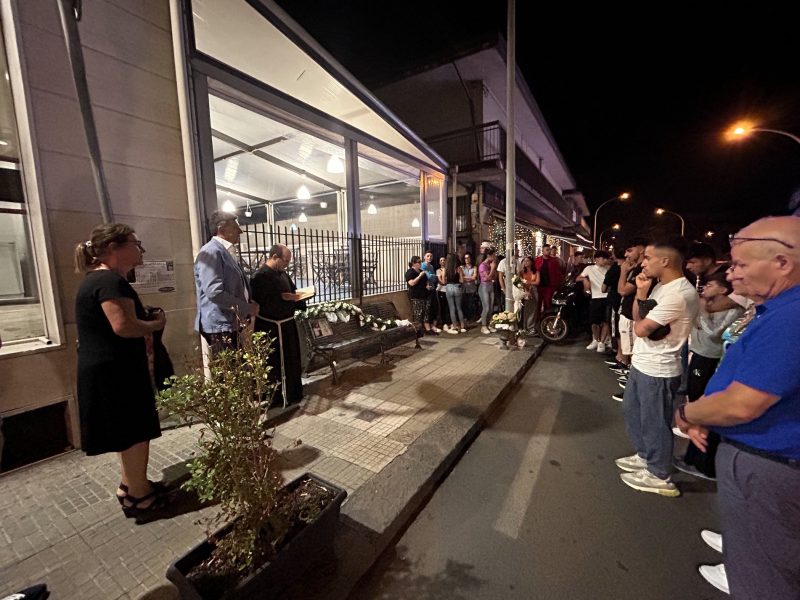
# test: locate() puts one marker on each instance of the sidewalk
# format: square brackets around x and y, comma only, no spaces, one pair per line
[386,434]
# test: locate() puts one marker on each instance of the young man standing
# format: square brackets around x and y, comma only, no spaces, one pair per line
[550,277]
[593,277]
[662,323]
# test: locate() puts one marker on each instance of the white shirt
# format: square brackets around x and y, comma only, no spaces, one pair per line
[501,267]
[596,275]
[677,307]
[706,338]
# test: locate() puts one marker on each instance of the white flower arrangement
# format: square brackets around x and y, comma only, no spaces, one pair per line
[343,311]
[505,320]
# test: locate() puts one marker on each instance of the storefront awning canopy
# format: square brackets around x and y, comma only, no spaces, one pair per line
[258,39]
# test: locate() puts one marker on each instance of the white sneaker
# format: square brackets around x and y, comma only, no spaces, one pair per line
[452,330]
[485,330]
[634,462]
[462,330]
[436,329]
[679,433]
[446,327]
[716,576]
[601,347]
[645,481]
[713,539]
[593,345]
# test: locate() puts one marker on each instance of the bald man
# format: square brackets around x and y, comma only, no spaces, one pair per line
[753,402]
[661,323]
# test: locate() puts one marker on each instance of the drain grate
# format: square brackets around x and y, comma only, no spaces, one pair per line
[367,415]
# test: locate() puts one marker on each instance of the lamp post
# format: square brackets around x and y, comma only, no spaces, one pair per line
[661,211]
[743,129]
[614,227]
[622,196]
[709,234]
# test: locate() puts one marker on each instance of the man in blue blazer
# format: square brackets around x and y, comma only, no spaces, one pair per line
[224,300]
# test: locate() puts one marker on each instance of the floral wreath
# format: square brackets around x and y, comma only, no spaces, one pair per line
[342,311]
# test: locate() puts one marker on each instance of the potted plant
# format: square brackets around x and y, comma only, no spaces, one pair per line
[264,534]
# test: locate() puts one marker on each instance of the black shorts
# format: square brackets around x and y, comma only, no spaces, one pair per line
[597,311]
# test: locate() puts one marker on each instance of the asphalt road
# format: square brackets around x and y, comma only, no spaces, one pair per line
[535,508]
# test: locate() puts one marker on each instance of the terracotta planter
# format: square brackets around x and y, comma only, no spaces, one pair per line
[307,548]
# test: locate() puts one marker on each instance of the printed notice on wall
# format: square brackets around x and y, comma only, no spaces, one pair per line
[155,276]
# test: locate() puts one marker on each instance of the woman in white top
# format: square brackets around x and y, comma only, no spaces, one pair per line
[441,294]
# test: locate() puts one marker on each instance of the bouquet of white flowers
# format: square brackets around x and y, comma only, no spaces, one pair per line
[505,320]
[518,288]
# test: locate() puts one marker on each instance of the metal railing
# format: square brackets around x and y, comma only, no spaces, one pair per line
[339,265]
[472,144]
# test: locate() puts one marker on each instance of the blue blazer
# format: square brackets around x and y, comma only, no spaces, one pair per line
[220,284]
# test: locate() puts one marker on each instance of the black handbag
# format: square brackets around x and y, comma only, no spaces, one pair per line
[162,363]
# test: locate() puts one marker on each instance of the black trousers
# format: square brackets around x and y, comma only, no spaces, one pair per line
[291,361]
[701,368]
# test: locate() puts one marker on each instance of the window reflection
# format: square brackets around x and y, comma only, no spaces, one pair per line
[389,196]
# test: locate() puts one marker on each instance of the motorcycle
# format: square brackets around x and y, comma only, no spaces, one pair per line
[564,316]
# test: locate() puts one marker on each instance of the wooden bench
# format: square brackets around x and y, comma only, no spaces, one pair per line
[339,340]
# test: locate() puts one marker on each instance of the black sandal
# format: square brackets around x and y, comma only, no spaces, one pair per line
[133,510]
[158,486]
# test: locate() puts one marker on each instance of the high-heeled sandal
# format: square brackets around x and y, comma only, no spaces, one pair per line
[159,486]
[133,509]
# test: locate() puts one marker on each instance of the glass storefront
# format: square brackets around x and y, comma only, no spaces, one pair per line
[21,311]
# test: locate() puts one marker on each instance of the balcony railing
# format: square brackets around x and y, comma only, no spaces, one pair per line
[473,144]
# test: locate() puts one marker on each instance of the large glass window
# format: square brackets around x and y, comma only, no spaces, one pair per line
[389,194]
[268,171]
[21,313]
[434,199]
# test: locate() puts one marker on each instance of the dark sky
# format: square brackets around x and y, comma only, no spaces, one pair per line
[636,97]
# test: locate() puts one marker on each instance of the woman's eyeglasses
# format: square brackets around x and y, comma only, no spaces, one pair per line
[137,242]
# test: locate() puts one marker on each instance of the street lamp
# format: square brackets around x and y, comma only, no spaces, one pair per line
[744,129]
[709,234]
[622,196]
[614,227]
[661,211]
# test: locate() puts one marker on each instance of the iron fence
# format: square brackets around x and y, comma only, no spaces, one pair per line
[339,265]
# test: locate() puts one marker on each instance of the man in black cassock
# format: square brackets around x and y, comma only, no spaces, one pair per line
[277,297]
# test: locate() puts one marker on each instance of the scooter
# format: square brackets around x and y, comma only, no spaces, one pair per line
[563,317]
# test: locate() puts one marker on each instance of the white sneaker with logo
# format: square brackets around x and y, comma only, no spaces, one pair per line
[713,539]
[645,481]
[593,345]
[716,576]
[634,462]
[601,347]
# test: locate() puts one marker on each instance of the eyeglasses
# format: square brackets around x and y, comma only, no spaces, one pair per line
[137,242]
[733,240]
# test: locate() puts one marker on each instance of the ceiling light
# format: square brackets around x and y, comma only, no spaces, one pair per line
[228,207]
[335,165]
[415,222]
[247,212]
[293,227]
[372,210]
[303,193]
[323,204]
[303,218]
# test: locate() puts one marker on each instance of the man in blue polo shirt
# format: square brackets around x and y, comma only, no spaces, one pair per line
[753,402]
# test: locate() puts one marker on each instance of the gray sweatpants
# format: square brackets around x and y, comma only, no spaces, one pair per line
[647,404]
[759,507]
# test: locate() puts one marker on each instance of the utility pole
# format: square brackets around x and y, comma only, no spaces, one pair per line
[511,148]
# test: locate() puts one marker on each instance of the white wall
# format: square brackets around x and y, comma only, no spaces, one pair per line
[128,54]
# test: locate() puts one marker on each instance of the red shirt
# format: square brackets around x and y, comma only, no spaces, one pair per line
[553,266]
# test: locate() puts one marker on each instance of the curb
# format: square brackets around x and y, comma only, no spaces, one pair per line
[379,512]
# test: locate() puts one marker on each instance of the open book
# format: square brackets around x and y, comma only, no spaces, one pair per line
[306,292]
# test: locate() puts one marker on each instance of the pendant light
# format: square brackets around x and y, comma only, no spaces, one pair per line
[228,207]
[303,218]
[335,164]
[323,204]
[415,222]
[247,212]
[303,193]
[371,209]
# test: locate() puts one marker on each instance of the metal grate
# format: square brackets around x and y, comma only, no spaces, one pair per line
[341,266]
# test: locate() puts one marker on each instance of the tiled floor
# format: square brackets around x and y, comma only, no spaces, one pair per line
[61,524]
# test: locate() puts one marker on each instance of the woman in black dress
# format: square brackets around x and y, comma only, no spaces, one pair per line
[115,391]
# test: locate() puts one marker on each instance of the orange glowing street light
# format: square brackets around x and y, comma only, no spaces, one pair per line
[614,227]
[744,129]
[623,196]
[661,211]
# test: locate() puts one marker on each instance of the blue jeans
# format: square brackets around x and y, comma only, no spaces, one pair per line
[647,403]
[454,297]
[486,292]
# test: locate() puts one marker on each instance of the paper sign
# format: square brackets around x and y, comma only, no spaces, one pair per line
[155,276]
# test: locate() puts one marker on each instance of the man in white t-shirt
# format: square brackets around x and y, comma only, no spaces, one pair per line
[593,278]
[502,265]
[662,324]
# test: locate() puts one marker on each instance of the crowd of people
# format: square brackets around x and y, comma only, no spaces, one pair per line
[449,298]
[704,349]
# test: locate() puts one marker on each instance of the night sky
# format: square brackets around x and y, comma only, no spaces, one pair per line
[636,99]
